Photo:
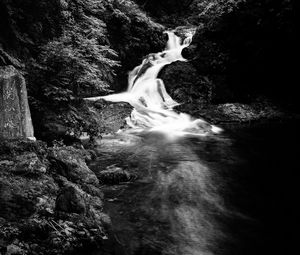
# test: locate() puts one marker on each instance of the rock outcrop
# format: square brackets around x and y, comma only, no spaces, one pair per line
[186,86]
[72,166]
[50,201]
[15,118]
[248,51]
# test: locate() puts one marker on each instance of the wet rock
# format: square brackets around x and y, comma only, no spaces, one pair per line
[71,200]
[241,113]
[186,86]
[188,52]
[112,114]
[68,163]
[15,118]
[114,175]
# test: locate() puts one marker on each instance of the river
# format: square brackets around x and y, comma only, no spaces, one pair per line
[199,189]
[223,194]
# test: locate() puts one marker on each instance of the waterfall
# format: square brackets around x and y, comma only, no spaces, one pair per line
[153,106]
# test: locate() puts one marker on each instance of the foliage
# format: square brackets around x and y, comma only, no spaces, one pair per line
[28,23]
[70,49]
[78,63]
[133,35]
[157,7]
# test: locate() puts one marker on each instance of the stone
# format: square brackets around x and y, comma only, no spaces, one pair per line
[28,164]
[186,86]
[15,117]
[69,164]
[114,175]
[71,200]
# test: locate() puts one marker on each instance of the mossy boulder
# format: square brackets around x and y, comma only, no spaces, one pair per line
[70,163]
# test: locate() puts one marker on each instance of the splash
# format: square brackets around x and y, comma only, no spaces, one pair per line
[153,106]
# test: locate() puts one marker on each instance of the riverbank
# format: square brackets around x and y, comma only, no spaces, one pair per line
[60,200]
[50,201]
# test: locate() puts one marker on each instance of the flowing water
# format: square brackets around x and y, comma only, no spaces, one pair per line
[228,194]
[153,107]
[196,191]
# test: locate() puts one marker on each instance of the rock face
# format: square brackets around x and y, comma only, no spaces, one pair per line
[186,86]
[41,211]
[15,118]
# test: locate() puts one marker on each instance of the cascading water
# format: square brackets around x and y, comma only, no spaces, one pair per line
[190,195]
[153,107]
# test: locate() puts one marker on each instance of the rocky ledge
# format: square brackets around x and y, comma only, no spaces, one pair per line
[50,201]
[199,97]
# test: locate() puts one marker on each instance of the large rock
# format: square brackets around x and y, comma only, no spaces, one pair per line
[71,200]
[186,86]
[69,163]
[15,118]
[114,175]
[29,164]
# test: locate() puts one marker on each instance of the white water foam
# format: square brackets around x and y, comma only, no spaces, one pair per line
[153,106]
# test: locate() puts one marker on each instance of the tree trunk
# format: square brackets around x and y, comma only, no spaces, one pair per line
[15,118]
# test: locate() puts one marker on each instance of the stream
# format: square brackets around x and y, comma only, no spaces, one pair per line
[196,189]
[224,194]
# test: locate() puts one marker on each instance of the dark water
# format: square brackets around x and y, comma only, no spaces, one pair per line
[233,193]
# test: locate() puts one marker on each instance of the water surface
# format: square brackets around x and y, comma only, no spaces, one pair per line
[221,194]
